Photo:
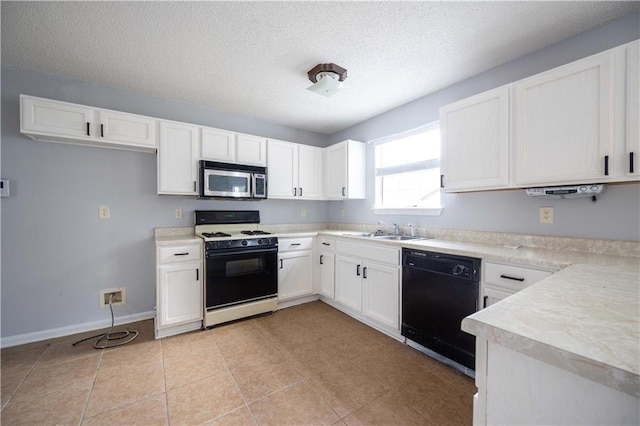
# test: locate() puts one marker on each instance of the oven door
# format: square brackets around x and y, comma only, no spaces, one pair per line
[240,276]
[226,183]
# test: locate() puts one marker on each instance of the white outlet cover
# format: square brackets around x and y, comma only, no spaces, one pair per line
[546,215]
[178,213]
[104,212]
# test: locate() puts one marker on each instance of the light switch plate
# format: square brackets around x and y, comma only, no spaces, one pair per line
[4,187]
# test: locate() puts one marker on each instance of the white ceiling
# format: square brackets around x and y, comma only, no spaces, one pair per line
[252,58]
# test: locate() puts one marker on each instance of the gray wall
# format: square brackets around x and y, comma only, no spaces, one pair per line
[57,254]
[615,215]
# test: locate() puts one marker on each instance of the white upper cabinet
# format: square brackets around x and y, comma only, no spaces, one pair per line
[230,147]
[345,170]
[218,145]
[178,158]
[295,170]
[49,120]
[251,150]
[475,141]
[564,124]
[632,151]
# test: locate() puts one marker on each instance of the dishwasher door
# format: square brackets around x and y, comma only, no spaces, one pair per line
[438,291]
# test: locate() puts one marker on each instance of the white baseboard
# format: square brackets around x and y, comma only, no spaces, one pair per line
[37,336]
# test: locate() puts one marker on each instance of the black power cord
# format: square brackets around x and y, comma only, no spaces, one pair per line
[102,340]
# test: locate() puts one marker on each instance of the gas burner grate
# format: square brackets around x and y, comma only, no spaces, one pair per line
[256,232]
[215,234]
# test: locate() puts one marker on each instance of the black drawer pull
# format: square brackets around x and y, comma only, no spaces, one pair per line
[197,274]
[281,264]
[321,256]
[182,254]
[294,244]
[364,272]
[88,131]
[606,165]
[326,244]
[485,301]
[507,277]
[631,162]
[358,270]
[102,130]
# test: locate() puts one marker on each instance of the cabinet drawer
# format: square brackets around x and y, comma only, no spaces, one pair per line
[326,244]
[291,244]
[370,252]
[175,254]
[510,277]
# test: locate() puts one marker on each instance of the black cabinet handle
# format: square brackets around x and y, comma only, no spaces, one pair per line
[326,244]
[364,272]
[295,192]
[301,191]
[181,254]
[194,186]
[88,129]
[321,256]
[441,181]
[631,162]
[484,301]
[198,274]
[606,165]
[281,264]
[507,277]
[102,130]
[344,189]
[358,270]
[294,244]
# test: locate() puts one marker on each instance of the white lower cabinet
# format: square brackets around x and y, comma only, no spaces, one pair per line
[295,268]
[326,267]
[367,282]
[179,278]
[500,281]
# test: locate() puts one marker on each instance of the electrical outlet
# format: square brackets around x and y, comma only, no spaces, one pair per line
[119,296]
[104,212]
[303,212]
[178,213]
[546,215]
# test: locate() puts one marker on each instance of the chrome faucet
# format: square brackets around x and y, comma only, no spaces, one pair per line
[395,226]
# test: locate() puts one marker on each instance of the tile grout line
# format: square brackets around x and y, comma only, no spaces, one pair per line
[93,382]
[33,366]
[164,382]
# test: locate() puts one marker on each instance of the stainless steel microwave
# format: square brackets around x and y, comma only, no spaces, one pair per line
[232,181]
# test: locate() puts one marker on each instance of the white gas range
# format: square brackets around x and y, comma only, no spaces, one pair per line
[240,264]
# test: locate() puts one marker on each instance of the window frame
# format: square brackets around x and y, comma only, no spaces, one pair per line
[408,210]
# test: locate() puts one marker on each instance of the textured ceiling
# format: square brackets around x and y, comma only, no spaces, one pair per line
[251,58]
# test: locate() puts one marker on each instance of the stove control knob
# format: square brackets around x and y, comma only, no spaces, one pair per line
[227,243]
[244,242]
[260,241]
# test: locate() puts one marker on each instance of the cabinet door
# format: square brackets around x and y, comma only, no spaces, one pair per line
[127,129]
[336,171]
[295,276]
[218,145]
[310,172]
[348,284]
[282,167]
[475,141]
[563,122]
[632,153]
[179,294]
[177,158]
[56,118]
[327,270]
[381,293]
[251,150]
[492,295]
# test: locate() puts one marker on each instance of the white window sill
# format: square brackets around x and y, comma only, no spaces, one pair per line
[412,211]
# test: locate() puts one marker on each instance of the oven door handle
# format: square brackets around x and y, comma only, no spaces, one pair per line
[232,252]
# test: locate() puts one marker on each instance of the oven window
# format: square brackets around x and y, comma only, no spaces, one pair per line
[228,183]
[243,267]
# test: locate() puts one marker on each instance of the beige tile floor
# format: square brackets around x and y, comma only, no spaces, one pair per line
[309,364]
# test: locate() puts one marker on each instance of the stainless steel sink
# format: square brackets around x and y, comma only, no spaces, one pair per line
[397,237]
[358,234]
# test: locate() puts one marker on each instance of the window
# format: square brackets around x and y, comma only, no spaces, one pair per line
[408,170]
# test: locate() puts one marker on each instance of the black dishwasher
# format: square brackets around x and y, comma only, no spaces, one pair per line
[438,291]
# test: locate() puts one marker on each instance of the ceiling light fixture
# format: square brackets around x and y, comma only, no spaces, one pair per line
[327,79]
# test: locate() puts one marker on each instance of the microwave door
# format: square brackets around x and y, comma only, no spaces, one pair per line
[230,184]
